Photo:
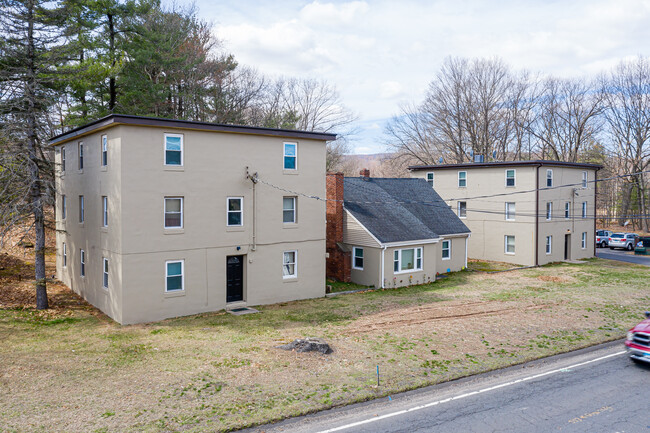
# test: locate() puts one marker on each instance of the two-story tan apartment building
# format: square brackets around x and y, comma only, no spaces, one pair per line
[522,212]
[158,218]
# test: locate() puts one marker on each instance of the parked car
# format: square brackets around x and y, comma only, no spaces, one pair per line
[643,246]
[627,241]
[602,237]
[638,341]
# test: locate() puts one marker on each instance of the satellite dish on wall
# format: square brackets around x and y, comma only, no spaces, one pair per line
[440,160]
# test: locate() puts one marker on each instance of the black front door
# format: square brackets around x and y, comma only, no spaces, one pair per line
[234,278]
[567,247]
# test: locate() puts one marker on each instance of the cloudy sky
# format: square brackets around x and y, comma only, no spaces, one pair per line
[380,54]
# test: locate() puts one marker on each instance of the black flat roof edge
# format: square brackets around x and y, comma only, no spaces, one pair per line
[506,164]
[127,119]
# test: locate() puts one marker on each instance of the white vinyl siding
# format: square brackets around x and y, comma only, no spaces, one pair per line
[355,234]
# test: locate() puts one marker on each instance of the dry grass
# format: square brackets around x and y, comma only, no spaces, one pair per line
[72,369]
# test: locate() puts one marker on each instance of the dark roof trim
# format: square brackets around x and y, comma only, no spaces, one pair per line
[506,164]
[124,119]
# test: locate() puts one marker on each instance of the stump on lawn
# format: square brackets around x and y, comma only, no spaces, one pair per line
[308,344]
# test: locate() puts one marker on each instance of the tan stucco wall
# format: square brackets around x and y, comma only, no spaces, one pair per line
[371,273]
[486,219]
[214,168]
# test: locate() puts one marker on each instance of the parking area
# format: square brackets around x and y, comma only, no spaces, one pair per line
[622,256]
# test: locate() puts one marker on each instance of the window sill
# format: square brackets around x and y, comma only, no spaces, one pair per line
[175,294]
[410,271]
[448,258]
[80,171]
[81,225]
[103,168]
[103,229]
[357,269]
[509,254]
[285,171]
[174,231]
[290,225]
[173,168]
[235,228]
[289,279]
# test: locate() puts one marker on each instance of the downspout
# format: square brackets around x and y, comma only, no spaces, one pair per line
[253,178]
[466,241]
[595,205]
[537,215]
[383,278]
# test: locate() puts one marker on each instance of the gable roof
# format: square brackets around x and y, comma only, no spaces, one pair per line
[126,119]
[400,210]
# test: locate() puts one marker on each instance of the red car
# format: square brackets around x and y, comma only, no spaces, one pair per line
[638,341]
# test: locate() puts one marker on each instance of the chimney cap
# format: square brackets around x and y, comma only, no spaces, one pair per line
[364,172]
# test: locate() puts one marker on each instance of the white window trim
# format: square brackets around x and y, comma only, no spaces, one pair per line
[415,259]
[585,179]
[165,150]
[63,159]
[82,263]
[567,210]
[510,217]
[64,207]
[104,151]
[549,171]
[458,210]
[549,210]
[65,255]
[80,156]
[295,265]
[432,180]
[240,211]
[549,245]
[104,211]
[459,179]
[584,209]
[105,281]
[514,177]
[82,209]
[505,247]
[583,241]
[284,155]
[295,213]
[165,213]
[182,262]
[442,249]
[354,255]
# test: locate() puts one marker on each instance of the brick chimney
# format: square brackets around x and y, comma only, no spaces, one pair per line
[339,261]
[365,173]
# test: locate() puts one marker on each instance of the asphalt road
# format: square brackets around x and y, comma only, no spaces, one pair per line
[622,256]
[593,390]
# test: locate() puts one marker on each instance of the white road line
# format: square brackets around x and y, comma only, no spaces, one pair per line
[458,397]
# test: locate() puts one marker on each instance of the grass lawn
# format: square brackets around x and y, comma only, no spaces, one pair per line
[73,369]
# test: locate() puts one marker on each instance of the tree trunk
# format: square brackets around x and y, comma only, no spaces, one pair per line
[112,92]
[34,171]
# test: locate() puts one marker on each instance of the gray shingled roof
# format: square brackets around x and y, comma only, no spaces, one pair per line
[400,210]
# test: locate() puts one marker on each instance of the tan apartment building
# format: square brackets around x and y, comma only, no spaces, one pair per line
[387,232]
[159,218]
[521,212]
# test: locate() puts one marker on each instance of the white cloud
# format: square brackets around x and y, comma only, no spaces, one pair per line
[390,89]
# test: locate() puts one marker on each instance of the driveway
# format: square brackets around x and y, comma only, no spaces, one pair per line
[622,256]
[597,389]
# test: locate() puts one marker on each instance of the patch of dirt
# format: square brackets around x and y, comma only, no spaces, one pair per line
[553,279]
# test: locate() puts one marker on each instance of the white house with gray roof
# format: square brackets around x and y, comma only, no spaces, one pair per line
[395,232]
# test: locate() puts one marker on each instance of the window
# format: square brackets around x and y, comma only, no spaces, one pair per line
[408,259]
[82,262]
[173,212]
[462,209]
[289,264]
[81,208]
[105,273]
[584,179]
[549,210]
[549,242]
[289,209]
[63,158]
[174,276]
[567,210]
[462,179]
[64,207]
[105,211]
[549,178]
[173,149]
[510,211]
[235,215]
[65,255]
[510,177]
[510,244]
[290,156]
[446,250]
[584,209]
[430,179]
[104,150]
[81,155]
[357,258]
[583,240]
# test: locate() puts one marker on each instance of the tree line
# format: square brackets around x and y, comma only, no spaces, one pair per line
[68,62]
[482,107]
